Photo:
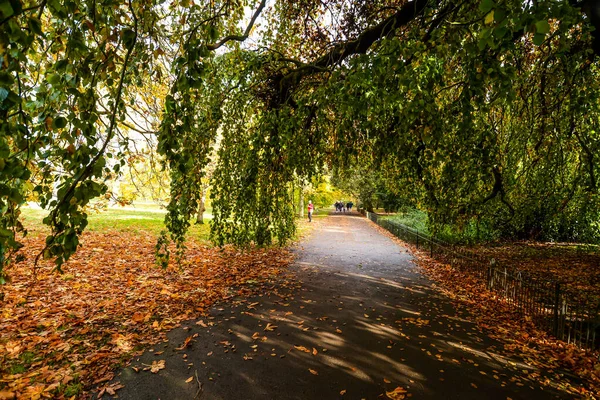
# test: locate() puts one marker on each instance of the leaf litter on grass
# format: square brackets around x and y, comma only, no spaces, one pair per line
[520,337]
[75,329]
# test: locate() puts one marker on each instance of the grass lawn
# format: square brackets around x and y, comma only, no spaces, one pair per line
[147,218]
[143,218]
[575,264]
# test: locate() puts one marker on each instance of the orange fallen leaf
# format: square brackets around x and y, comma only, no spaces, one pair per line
[157,366]
[315,352]
[312,371]
[302,348]
[270,327]
[137,317]
[188,380]
[397,394]
[186,343]
[387,380]
[342,392]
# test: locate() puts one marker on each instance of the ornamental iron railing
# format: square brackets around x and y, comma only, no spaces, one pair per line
[569,315]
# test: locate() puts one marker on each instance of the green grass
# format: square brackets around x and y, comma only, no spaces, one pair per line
[470,233]
[144,218]
[415,219]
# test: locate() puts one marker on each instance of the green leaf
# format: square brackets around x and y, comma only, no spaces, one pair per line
[486,5]
[129,37]
[499,14]
[499,33]
[538,39]
[3,94]
[53,79]
[542,27]
[59,122]
[489,18]
[6,9]
[35,26]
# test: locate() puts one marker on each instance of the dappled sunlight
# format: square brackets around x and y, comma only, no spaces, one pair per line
[490,356]
[346,367]
[362,326]
[392,365]
[380,330]
[405,310]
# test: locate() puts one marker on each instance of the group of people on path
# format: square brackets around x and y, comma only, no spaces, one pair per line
[340,206]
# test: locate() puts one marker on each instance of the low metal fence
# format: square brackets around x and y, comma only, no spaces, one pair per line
[570,315]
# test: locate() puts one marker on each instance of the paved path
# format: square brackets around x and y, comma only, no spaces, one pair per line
[363,323]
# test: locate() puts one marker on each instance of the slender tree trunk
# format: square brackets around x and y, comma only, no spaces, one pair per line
[201,209]
[301,205]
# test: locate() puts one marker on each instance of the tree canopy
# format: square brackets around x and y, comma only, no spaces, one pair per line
[474,109]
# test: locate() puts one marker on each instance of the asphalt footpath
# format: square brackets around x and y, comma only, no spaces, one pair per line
[363,323]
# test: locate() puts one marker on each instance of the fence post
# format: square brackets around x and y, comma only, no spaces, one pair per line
[556,305]
[490,277]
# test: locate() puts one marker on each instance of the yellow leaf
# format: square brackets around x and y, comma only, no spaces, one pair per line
[188,380]
[312,371]
[489,18]
[387,380]
[342,392]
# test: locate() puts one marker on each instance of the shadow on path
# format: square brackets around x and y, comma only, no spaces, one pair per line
[364,322]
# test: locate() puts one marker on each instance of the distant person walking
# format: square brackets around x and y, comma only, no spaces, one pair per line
[349,205]
[310,210]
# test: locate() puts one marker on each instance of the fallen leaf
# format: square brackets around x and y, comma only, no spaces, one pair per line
[312,371]
[188,380]
[186,343]
[397,394]
[270,327]
[157,366]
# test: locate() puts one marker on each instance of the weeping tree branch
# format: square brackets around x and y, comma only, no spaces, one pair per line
[239,38]
[284,83]
[87,172]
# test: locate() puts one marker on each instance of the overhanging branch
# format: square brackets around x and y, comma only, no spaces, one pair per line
[360,45]
[240,38]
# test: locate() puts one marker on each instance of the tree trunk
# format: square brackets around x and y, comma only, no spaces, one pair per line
[201,209]
[301,205]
